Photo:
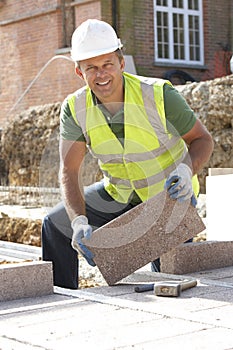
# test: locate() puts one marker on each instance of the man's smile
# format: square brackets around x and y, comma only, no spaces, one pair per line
[103,83]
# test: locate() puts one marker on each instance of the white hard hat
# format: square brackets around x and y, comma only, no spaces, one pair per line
[93,38]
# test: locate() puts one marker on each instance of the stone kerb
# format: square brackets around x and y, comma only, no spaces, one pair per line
[25,279]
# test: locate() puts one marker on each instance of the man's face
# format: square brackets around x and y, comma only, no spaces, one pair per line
[103,74]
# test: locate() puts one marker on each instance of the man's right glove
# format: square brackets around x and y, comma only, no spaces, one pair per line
[179,184]
[81,230]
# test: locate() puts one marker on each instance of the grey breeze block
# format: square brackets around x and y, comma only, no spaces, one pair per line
[141,235]
[25,279]
[197,256]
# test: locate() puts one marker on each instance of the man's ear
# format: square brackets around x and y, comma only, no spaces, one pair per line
[122,63]
[78,72]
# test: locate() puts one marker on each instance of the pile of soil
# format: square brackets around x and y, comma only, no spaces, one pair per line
[20,230]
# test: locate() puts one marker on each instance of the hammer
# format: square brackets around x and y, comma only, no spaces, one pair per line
[167,288]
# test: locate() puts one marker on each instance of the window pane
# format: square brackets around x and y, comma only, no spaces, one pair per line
[162,2]
[159,35]
[194,52]
[191,40]
[159,21]
[163,51]
[166,51]
[194,38]
[178,27]
[160,51]
[162,34]
[196,22]
[178,35]
[165,19]
[190,22]
[193,5]
[166,36]
[177,3]
[197,38]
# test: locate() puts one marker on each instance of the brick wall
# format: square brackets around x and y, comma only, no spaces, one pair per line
[217,37]
[30,35]
[88,10]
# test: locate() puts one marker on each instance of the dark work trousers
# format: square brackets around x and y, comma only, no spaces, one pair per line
[57,232]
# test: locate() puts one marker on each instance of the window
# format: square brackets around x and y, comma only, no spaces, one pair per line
[178,31]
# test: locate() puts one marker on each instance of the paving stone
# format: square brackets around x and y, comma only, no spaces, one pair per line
[23,280]
[221,275]
[198,256]
[141,235]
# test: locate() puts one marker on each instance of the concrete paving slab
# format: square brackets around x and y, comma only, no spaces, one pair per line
[222,274]
[118,318]
[10,250]
[197,256]
[75,324]
[206,339]
[187,307]
[141,235]
[12,307]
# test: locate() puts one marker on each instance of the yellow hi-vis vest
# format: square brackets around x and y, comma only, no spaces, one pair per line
[149,152]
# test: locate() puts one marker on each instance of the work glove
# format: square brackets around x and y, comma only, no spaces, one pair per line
[81,230]
[179,184]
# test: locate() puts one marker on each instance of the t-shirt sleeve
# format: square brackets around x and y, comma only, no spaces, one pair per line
[180,117]
[69,129]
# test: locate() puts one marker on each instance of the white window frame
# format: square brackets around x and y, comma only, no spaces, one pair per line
[170,10]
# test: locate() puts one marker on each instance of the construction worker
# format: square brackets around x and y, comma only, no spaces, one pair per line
[143,133]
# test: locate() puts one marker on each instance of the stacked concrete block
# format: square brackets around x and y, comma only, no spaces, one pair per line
[26,279]
[199,256]
[141,235]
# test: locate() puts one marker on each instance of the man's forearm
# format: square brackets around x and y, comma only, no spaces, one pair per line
[72,192]
[199,153]
[200,147]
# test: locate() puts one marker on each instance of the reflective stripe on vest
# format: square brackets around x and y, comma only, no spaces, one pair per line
[150,152]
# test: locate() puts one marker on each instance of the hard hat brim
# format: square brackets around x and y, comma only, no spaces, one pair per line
[87,55]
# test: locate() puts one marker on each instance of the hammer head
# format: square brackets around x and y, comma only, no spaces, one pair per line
[167,289]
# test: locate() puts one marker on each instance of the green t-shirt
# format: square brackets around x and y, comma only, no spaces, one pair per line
[180,117]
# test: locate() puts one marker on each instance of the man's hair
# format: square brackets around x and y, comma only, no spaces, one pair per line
[118,52]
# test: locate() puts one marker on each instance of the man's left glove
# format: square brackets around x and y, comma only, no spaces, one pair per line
[179,184]
[81,229]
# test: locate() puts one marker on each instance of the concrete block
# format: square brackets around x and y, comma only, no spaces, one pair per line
[23,280]
[141,235]
[220,171]
[198,256]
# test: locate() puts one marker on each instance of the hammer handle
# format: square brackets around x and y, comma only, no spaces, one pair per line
[144,287]
[186,284]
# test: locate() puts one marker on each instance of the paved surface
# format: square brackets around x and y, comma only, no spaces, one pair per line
[118,318]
